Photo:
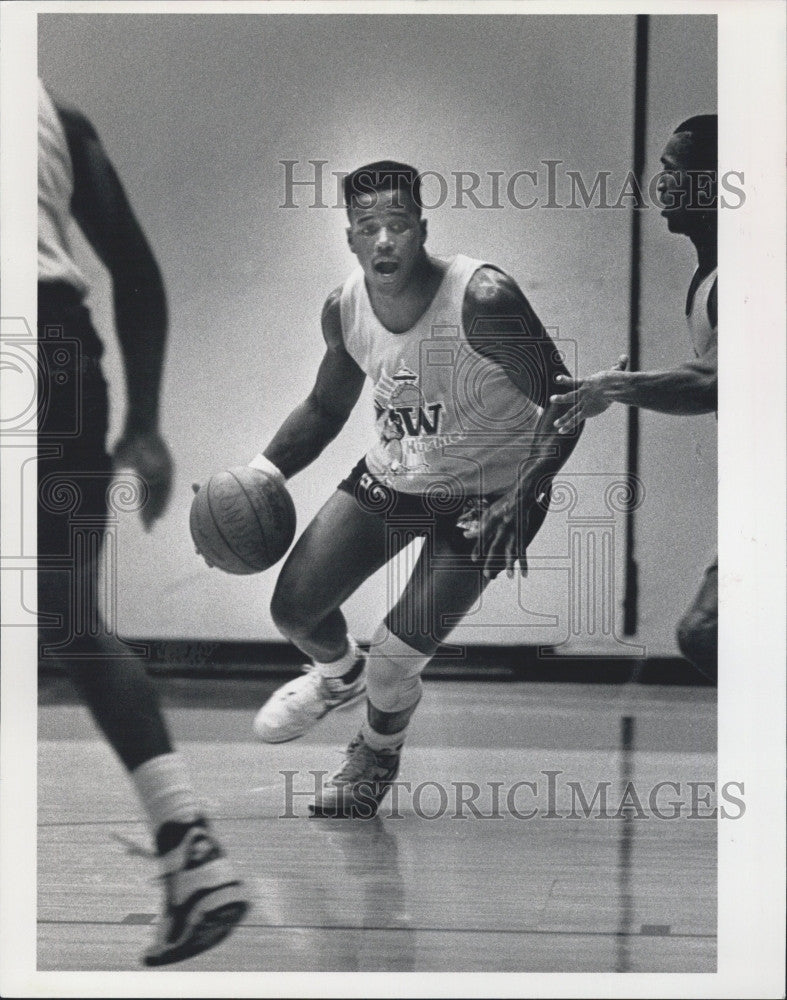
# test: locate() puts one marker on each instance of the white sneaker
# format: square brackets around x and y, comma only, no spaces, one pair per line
[204,899]
[300,704]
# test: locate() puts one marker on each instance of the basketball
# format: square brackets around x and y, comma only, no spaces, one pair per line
[242,520]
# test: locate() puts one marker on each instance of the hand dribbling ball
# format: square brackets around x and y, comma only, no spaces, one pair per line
[242,520]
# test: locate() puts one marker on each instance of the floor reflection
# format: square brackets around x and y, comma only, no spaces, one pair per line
[340,885]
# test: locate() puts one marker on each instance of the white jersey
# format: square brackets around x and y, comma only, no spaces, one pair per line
[55,187]
[448,420]
[701,319]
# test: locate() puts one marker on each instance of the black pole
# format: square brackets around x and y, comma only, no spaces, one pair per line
[625,848]
[631,595]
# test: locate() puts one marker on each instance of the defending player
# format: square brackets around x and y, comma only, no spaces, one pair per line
[462,371]
[77,183]
[688,192]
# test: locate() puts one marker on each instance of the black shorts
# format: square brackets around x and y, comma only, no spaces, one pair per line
[74,468]
[435,513]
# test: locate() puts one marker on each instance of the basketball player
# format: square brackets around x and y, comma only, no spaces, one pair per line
[77,183]
[462,371]
[687,190]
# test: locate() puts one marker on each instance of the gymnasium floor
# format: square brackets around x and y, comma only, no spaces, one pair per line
[405,892]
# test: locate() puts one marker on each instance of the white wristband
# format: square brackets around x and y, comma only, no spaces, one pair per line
[265,465]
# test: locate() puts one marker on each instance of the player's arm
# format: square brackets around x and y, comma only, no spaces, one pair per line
[318,419]
[101,208]
[691,388]
[501,324]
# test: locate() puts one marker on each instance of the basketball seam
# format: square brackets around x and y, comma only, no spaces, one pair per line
[213,553]
[221,534]
[203,540]
[256,515]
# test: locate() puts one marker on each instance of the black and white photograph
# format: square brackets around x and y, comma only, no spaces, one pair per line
[393,487]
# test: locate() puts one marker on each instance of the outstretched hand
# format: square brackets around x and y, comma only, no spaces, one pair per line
[584,397]
[146,453]
[500,533]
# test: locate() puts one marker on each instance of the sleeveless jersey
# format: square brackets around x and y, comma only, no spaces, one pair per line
[55,187]
[449,421]
[701,312]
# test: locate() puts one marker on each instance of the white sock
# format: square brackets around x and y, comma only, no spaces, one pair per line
[165,791]
[382,741]
[345,663]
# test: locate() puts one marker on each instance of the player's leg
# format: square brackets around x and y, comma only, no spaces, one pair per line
[204,900]
[341,548]
[433,602]
[443,587]
[112,683]
[74,479]
[698,629]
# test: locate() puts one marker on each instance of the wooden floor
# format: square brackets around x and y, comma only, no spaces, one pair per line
[429,886]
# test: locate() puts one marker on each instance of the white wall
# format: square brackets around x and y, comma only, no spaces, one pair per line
[197,112]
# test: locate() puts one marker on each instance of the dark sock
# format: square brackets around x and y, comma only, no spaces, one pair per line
[354,672]
[389,723]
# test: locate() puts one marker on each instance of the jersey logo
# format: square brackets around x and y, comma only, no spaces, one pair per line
[404,419]
[400,396]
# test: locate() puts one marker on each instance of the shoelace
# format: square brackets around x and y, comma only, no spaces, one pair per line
[323,687]
[359,757]
[307,668]
[134,848]
[137,850]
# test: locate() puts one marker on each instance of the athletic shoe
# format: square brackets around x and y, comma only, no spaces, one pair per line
[360,784]
[203,899]
[300,704]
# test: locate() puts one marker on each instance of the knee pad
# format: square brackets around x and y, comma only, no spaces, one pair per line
[394,672]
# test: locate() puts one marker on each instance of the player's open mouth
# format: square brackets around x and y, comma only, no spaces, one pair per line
[386,266]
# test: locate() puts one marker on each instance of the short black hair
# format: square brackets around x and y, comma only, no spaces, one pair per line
[383,175]
[704,146]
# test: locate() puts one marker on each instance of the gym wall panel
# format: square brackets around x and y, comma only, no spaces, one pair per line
[198,112]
